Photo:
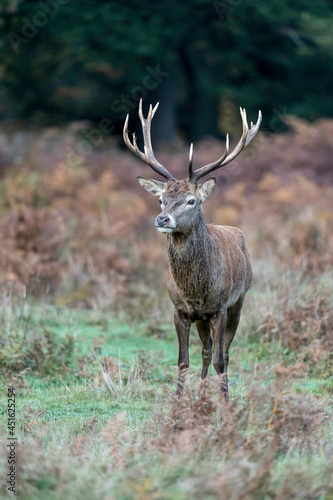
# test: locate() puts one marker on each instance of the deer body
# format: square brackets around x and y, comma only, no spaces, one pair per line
[198,288]
[209,266]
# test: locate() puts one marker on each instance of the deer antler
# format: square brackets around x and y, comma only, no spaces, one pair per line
[226,158]
[148,155]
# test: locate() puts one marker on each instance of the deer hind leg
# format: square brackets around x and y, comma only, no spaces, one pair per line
[182,325]
[204,333]
[218,324]
[233,317]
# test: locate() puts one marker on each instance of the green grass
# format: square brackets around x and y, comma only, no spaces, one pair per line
[63,410]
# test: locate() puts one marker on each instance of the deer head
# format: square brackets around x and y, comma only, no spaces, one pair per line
[181,200]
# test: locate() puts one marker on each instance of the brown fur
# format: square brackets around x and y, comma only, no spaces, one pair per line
[174,188]
[210,270]
[209,273]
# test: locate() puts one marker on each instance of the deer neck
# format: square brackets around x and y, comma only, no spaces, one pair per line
[189,256]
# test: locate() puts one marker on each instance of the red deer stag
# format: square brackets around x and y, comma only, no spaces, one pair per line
[210,270]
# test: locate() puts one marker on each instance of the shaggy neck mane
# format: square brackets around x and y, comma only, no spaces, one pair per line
[189,257]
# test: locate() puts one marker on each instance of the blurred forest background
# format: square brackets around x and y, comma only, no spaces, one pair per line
[65,60]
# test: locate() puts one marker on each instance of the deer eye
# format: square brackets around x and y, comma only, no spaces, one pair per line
[160,202]
[191,202]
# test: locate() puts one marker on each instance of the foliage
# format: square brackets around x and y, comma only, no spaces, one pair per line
[86,435]
[41,352]
[87,340]
[81,234]
[85,60]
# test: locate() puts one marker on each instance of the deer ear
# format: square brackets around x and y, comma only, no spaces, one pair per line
[206,188]
[155,188]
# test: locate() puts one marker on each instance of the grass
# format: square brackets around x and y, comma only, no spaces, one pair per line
[87,340]
[99,420]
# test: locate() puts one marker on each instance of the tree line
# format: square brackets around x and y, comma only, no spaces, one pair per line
[65,60]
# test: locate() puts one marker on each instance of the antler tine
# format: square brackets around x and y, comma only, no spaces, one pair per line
[190,162]
[254,129]
[148,155]
[247,136]
[146,128]
[200,172]
[126,138]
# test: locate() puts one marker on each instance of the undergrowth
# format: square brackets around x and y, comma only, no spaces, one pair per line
[96,425]
[88,343]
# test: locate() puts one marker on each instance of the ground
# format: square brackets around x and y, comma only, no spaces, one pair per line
[97,416]
[89,346]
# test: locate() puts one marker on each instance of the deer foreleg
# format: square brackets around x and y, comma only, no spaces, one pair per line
[204,333]
[234,314]
[182,325]
[218,324]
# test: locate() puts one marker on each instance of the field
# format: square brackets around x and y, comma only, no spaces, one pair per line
[87,339]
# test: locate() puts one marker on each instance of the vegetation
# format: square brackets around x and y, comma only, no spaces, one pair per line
[88,342]
[86,335]
[67,60]
[104,423]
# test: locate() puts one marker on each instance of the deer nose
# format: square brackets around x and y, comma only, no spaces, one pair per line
[162,221]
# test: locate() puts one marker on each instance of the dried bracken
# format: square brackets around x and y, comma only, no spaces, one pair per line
[190,446]
[66,229]
[74,234]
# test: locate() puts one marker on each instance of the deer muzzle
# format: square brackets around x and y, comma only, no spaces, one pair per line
[165,223]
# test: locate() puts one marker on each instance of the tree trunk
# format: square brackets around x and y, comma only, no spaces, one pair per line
[201,111]
[164,128]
